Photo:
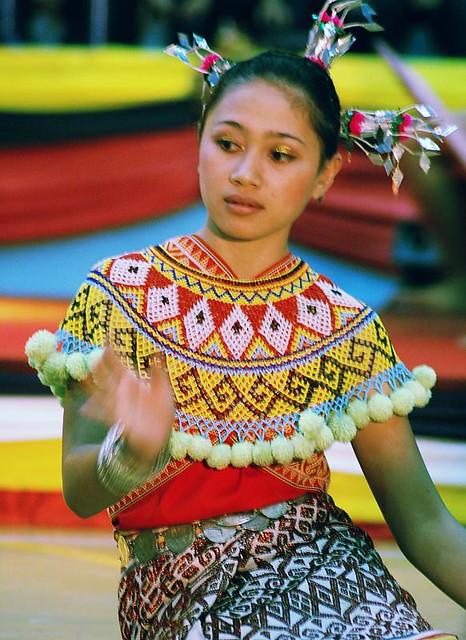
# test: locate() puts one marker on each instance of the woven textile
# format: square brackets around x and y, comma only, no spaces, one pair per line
[310,574]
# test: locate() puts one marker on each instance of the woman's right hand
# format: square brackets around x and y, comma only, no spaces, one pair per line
[144,406]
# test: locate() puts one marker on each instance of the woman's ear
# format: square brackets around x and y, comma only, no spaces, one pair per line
[327,176]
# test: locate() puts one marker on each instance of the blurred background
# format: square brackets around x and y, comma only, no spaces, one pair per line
[420,27]
[98,154]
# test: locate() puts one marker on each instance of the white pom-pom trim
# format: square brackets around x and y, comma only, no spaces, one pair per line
[220,456]
[425,375]
[314,433]
[39,347]
[199,448]
[282,450]
[420,393]
[76,366]
[403,401]
[380,407]
[359,412]
[179,445]
[241,454]
[302,447]
[311,423]
[342,426]
[54,367]
[324,439]
[262,454]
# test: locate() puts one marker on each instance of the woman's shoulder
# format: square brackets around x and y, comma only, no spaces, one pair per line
[134,259]
[329,293]
[139,254]
[130,267]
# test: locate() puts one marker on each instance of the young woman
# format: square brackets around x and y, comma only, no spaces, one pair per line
[222,367]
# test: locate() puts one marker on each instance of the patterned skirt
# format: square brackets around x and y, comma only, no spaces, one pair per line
[310,574]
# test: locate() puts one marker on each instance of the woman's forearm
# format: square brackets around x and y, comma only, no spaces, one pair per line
[82,438]
[438,549]
[97,475]
[82,490]
[424,529]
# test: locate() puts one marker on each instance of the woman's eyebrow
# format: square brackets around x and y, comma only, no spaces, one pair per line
[269,134]
[283,134]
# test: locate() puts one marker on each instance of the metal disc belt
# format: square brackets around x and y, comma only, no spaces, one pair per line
[136,547]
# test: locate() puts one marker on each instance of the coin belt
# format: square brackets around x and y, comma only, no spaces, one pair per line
[139,547]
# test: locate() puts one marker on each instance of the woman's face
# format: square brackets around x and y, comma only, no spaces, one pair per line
[259,163]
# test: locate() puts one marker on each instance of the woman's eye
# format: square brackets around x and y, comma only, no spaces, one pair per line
[228,145]
[282,154]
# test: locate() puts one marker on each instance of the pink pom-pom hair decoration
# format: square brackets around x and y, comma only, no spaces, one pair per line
[329,37]
[209,63]
[385,136]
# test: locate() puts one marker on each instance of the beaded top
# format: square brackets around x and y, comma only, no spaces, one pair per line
[263,371]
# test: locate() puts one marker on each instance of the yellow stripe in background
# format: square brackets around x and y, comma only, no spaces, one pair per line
[40,79]
[33,465]
[64,551]
[367,82]
[40,310]
[352,493]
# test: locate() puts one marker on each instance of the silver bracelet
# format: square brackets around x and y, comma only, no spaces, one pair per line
[118,469]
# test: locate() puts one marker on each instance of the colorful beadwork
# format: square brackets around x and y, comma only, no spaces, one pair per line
[267,371]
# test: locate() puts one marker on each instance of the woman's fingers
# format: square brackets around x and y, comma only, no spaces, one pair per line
[102,386]
[108,369]
[158,374]
[143,405]
[146,408]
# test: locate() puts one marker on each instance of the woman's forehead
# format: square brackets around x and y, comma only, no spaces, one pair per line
[264,98]
[280,87]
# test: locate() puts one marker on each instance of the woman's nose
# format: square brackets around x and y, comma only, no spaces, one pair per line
[246,171]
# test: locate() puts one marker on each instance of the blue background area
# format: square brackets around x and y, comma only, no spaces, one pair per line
[56,269]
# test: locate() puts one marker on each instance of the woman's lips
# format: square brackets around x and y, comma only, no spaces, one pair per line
[242,204]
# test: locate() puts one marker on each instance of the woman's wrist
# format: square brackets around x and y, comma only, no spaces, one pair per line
[118,469]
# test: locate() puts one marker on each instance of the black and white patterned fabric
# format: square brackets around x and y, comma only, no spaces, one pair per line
[311,574]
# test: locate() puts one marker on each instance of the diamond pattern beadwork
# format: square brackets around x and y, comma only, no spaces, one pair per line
[245,359]
[276,329]
[198,323]
[315,314]
[162,303]
[237,332]
[129,271]
[337,296]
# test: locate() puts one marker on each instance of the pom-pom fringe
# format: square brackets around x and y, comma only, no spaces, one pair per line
[313,432]
[56,368]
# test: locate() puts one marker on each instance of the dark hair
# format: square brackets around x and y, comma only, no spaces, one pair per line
[288,71]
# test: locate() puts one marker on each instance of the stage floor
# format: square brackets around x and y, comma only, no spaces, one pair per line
[61,585]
